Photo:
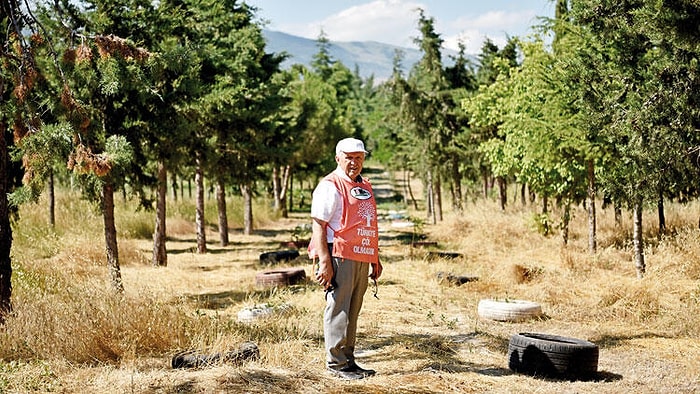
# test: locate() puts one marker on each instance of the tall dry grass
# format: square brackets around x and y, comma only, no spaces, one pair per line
[63,307]
[69,333]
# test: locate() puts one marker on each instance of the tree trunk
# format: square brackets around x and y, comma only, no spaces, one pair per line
[523,199]
[223,217]
[174,185]
[111,247]
[276,189]
[247,210]
[618,215]
[545,213]
[457,186]
[662,215]
[565,220]
[638,242]
[291,194]
[502,195]
[160,254]
[592,220]
[409,191]
[430,199]
[545,204]
[5,232]
[199,207]
[52,199]
[438,198]
[285,186]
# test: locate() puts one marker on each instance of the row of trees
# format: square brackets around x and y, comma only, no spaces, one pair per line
[609,108]
[131,92]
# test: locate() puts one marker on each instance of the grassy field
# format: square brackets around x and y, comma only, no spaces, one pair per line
[423,335]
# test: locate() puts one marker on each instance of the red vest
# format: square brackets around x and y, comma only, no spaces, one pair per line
[358,236]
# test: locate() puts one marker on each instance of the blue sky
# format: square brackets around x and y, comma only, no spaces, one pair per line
[395,21]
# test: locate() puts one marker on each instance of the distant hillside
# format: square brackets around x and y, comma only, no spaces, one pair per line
[371,58]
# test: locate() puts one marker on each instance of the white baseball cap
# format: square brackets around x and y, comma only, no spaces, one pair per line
[349,145]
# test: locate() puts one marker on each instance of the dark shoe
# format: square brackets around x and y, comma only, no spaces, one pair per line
[346,373]
[356,368]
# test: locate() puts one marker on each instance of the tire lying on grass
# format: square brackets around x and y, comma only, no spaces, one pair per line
[552,356]
[247,351]
[280,277]
[510,310]
[278,256]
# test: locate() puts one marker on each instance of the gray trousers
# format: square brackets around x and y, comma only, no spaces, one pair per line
[343,306]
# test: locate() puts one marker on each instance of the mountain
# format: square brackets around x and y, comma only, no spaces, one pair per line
[371,58]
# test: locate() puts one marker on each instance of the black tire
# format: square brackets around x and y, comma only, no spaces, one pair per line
[278,256]
[193,359]
[510,310]
[280,277]
[552,356]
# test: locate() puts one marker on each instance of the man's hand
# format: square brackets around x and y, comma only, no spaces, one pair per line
[376,270]
[324,275]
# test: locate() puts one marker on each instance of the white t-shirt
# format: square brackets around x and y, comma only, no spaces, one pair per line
[327,204]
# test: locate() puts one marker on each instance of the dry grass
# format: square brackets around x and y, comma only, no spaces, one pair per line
[70,334]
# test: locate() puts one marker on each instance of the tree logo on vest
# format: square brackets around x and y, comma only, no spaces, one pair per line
[360,193]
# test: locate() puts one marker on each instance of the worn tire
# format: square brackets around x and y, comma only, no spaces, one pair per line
[552,356]
[280,277]
[511,310]
[278,256]
[194,359]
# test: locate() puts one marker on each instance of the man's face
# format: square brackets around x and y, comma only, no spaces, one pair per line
[351,162]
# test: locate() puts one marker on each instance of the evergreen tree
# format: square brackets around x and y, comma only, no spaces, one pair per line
[423,113]
[109,82]
[642,84]
[461,152]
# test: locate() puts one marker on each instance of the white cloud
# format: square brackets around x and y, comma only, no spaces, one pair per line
[495,25]
[496,20]
[396,22]
[472,40]
[387,21]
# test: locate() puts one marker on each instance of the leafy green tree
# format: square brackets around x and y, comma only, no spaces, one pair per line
[487,113]
[672,27]
[236,75]
[167,123]
[317,120]
[283,141]
[494,64]
[318,113]
[461,152]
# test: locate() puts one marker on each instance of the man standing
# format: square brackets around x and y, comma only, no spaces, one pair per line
[346,240]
